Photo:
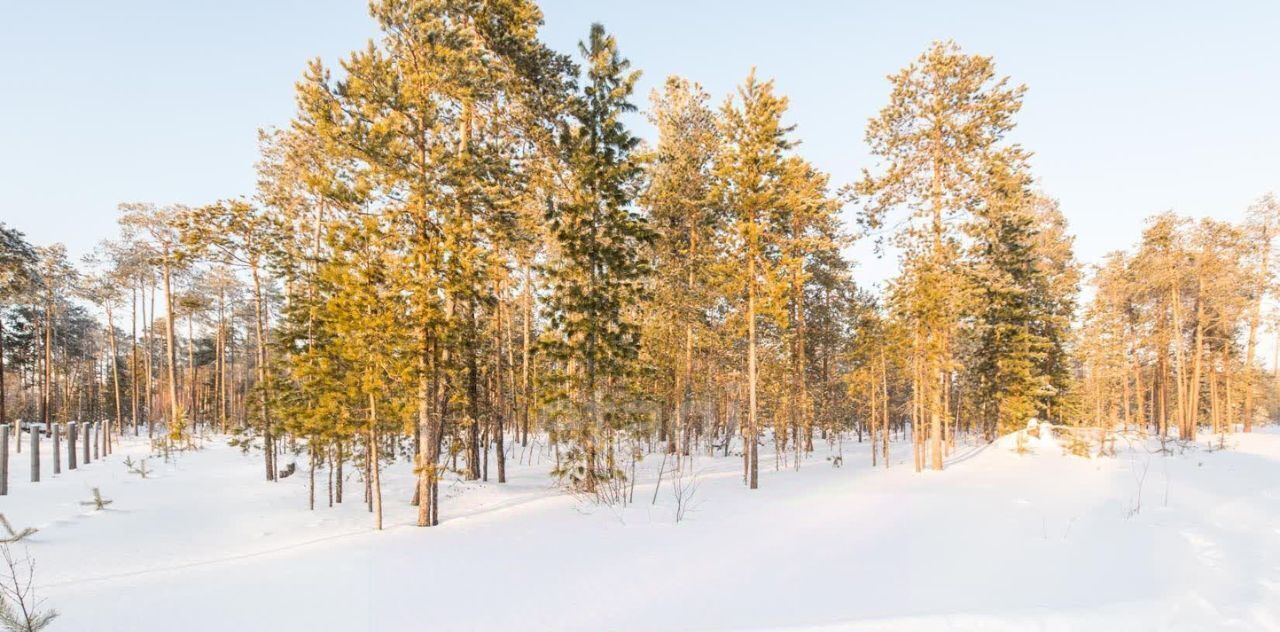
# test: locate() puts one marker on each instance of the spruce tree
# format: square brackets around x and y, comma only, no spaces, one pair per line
[1009,348]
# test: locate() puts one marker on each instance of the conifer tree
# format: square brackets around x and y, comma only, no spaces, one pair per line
[1262,225]
[237,233]
[160,227]
[749,174]
[17,276]
[596,278]
[364,316]
[1009,347]
[437,116]
[806,223]
[947,115]
[680,210]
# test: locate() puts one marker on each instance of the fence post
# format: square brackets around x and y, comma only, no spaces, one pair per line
[4,460]
[57,448]
[85,442]
[73,432]
[35,453]
[97,439]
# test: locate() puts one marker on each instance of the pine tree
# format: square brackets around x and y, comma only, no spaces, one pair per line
[161,228]
[598,274]
[364,317]
[681,213]
[17,276]
[807,226]
[1263,222]
[437,118]
[749,174]
[237,233]
[947,114]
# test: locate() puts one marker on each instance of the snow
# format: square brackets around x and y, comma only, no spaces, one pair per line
[997,541]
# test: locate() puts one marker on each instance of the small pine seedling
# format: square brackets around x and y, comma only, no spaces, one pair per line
[139,467]
[99,503]
[14,535]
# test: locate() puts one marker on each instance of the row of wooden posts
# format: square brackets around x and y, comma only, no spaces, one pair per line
[88,436]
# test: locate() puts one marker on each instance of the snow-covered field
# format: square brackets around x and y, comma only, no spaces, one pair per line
[997,541]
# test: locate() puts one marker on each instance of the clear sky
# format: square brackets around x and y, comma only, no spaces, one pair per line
[1133,107]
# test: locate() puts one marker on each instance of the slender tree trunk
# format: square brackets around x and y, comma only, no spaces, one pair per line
[175,407]
[268,443]
[3,419]
[1137,392]
[1255,320]
[220,364]
[1193,387]
[884,410]
[115,371]
[149,317]
[133,361]
[191,368]
[339,460]
[1178,363]
[500,399]
[802,387]
[473,396]
[311,482]
[46,401]
[687,392]
[752,450]
[525,389]
[375,480]
[426,464]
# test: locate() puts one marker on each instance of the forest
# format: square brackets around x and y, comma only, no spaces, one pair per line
[460,249]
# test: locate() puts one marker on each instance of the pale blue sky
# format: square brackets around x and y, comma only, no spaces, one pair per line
[1132,109]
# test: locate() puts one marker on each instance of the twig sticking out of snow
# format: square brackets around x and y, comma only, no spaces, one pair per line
[1139,481]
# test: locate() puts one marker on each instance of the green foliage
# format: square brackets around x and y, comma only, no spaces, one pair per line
[596,280]
[1021,328]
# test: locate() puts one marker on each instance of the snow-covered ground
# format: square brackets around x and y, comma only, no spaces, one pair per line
[997,541]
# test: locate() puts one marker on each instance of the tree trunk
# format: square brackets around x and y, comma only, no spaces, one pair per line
[375,480]
[268,445]
[47,389]
[525,394]
[115,370]
[473,396]
[175,408]
[133,362]
[1193,387]
[499,396]
[426,463]
[752,450]
[1255,319]
[3,420]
